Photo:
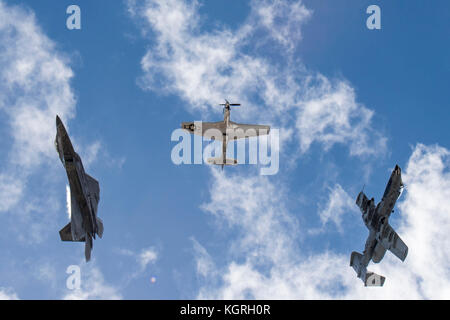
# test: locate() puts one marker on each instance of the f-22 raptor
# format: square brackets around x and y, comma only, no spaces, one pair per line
[381,235]
[84,195]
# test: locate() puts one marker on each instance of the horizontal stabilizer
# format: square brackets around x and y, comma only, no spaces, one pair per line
[100,227]
[374,280]
[370,279]
[355,262]
[66,233]
[219,161]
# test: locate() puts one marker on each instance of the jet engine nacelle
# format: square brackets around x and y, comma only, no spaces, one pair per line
[378,252]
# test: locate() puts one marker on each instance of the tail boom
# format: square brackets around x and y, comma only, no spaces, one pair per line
[220,162]
[369,278]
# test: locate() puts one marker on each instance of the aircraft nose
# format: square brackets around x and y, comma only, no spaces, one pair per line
[58,121]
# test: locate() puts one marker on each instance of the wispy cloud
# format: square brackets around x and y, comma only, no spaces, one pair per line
[204,67]
[425,219]
[338,203]
[267,257]
[11,190]
[93,286]
[96,152]
[34,87]
[144,258]
[272,266]
[8,294]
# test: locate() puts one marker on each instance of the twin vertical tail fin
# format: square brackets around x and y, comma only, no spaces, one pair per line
[88,239]
[369,278]
[373,280]
[87,247]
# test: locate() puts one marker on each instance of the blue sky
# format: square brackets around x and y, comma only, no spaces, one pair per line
[349,102]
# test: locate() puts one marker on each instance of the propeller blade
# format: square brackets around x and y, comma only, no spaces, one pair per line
[229,104]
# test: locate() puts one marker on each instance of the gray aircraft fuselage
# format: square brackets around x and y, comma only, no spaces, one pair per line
[85,194]
[381,235]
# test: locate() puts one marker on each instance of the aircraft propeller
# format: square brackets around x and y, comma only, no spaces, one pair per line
[229,104]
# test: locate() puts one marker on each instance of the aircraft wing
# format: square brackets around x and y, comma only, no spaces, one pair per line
[364,204]
[242,131]
[392,242]
[94,189]
[94,186]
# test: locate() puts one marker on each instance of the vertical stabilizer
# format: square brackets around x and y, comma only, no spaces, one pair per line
[88,247]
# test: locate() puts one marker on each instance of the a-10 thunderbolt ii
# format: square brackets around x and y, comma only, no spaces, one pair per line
[381,235]
[84,195]
[227,130]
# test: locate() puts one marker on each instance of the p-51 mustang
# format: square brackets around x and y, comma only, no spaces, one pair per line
[84,195]
[227,130]
[381,235]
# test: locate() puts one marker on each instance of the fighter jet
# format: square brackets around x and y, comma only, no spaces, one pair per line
[84,195]
[227,130]
[381,235]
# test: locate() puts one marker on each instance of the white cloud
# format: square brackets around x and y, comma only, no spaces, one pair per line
[330,115]
[35,83]
[204,67]
[205,263]
[93,286]
[8,294]
[426,219]
[242,203]
[96,151]
[36,219]
[34,87]
[47,272]
[266,260]
[265,263]
[90,153]
[10,191]
[339,203]
[146,257]
[143,259]
[282,19]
